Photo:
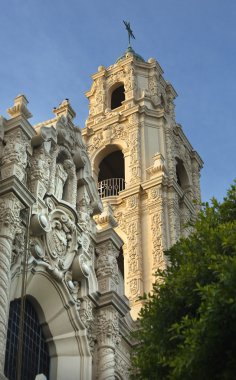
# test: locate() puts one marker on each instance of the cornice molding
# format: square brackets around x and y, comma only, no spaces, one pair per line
[108,234]
[13,185]
[111,298]
[131,190]
[20,122]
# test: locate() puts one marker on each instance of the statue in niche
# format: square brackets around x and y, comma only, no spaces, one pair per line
[60,180]
[83,212]
[64,171]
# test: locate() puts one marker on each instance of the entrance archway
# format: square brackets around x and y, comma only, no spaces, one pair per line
[35,352]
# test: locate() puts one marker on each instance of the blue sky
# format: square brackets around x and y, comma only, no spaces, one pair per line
[49,49]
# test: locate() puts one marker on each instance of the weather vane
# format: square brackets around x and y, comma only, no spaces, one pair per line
[130,32]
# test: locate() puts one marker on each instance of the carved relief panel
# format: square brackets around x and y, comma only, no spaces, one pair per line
[14,155]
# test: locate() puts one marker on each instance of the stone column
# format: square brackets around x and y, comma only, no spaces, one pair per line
[107,319]
[107,337]
[10,208]
[107,268]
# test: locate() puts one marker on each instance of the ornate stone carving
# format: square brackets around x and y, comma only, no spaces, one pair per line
[96,142]
[185,218]
[119,132]
[170,152]
[130,82]
[174,211]
[62,239]
[156,90]
[9,215]
[9,220]
[63,257]
[157,236]
[134,278]
[60,179]
[121,220]
[107,327]
[158,165]
[39,171]
[106,218]
[86,313]
[122,364]
[133,201]
[5,259]
[107,268]
[18,245]
[97,99]
[14,157]
[40,163]
[135,164]
[171,95]
[196,183]
[155,193]
[84,210]
[65,109]
[108,337]
[65,182]
[115,78]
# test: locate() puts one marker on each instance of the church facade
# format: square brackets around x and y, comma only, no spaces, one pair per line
[85,217]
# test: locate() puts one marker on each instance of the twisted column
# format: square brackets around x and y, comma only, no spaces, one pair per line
[5,263]
[107,338]
[9,219]
[106,357]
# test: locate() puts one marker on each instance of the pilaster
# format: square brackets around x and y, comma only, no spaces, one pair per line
[112,305]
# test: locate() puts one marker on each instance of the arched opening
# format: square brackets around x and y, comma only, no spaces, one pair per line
[120,262]
[35,353]
[117,96]
[111,178]
[181,175]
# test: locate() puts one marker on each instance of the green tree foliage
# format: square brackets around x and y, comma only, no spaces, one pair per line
[188,325]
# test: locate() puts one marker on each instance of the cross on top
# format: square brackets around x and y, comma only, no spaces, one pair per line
[129,30]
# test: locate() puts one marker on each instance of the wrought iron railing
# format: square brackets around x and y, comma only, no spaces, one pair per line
[111,187]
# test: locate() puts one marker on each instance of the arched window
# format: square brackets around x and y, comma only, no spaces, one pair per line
[111,179]
[117,96]
[181,175]
[35,354]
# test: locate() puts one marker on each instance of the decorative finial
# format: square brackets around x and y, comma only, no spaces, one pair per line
[129,30]
[19,108]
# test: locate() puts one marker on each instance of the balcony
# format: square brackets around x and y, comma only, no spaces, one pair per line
[111,187]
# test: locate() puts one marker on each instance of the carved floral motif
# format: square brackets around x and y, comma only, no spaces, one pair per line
[134,278]
[157,236]
[107,327]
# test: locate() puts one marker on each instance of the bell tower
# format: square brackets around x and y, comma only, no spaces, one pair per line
[145,167]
